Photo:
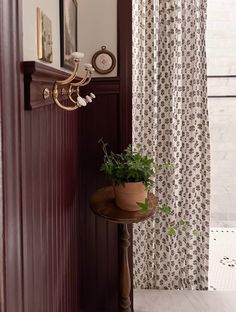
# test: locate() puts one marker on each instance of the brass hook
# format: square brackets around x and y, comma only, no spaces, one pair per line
[79,102]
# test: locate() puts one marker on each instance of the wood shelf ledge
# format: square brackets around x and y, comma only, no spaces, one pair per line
[38,76]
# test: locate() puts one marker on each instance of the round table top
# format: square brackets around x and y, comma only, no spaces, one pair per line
[102,203]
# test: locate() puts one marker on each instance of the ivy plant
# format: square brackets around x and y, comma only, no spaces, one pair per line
[131,166]
[128,166]
[176,225]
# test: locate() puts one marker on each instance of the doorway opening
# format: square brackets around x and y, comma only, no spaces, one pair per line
[221,47]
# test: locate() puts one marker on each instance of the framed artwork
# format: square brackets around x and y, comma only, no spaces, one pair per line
[104,61]
[68,31]
[44,37]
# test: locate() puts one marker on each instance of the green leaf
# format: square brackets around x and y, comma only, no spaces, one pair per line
[196,233]
[183,222]
[128,166]
[170,166]
[165,209]
[143,206]
[171,231]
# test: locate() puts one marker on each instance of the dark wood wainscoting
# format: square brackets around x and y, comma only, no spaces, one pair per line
[70,256]
[98,239]
[50,192]
[50,211]
[57,256]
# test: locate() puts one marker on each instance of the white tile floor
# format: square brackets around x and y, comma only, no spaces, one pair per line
[222,259]
[184,301]
[222,280]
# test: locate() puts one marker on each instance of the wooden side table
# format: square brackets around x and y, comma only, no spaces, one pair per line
[102,203]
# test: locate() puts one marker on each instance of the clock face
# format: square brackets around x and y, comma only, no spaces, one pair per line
[103,61]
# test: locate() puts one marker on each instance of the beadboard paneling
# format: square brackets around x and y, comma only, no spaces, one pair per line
[57,256]
[70,256]
[99,239]
[50,210]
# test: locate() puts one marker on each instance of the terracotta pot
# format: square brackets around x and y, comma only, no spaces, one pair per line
[127,196]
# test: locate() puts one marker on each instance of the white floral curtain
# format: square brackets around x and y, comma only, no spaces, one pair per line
[170,123]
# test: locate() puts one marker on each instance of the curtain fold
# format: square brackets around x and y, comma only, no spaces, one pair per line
[170,123]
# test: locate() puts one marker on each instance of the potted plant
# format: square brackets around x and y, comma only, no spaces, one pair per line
[130,173]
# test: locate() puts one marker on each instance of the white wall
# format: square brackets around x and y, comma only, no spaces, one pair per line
[222,115]
[51,9]
[221,53]
[221,37]
[97,27]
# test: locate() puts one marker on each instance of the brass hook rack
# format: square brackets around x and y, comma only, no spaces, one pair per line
[73,87]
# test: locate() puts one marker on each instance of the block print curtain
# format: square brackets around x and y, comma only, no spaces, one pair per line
[170,123]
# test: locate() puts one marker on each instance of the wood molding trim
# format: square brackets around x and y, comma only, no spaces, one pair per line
[10,101]
[124,18]
[124,12]
[108,85]
[38,76]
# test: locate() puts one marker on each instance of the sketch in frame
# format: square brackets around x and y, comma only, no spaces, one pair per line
[69,24]
[44,34]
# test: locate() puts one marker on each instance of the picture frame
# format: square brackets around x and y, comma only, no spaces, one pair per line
[104,61]
[68,31]
[44,37]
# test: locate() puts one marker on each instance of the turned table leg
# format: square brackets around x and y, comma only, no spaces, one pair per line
[125,283]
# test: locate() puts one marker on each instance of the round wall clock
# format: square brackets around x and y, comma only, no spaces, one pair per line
[104,61]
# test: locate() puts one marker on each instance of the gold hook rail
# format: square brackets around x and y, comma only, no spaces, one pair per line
[73,87]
